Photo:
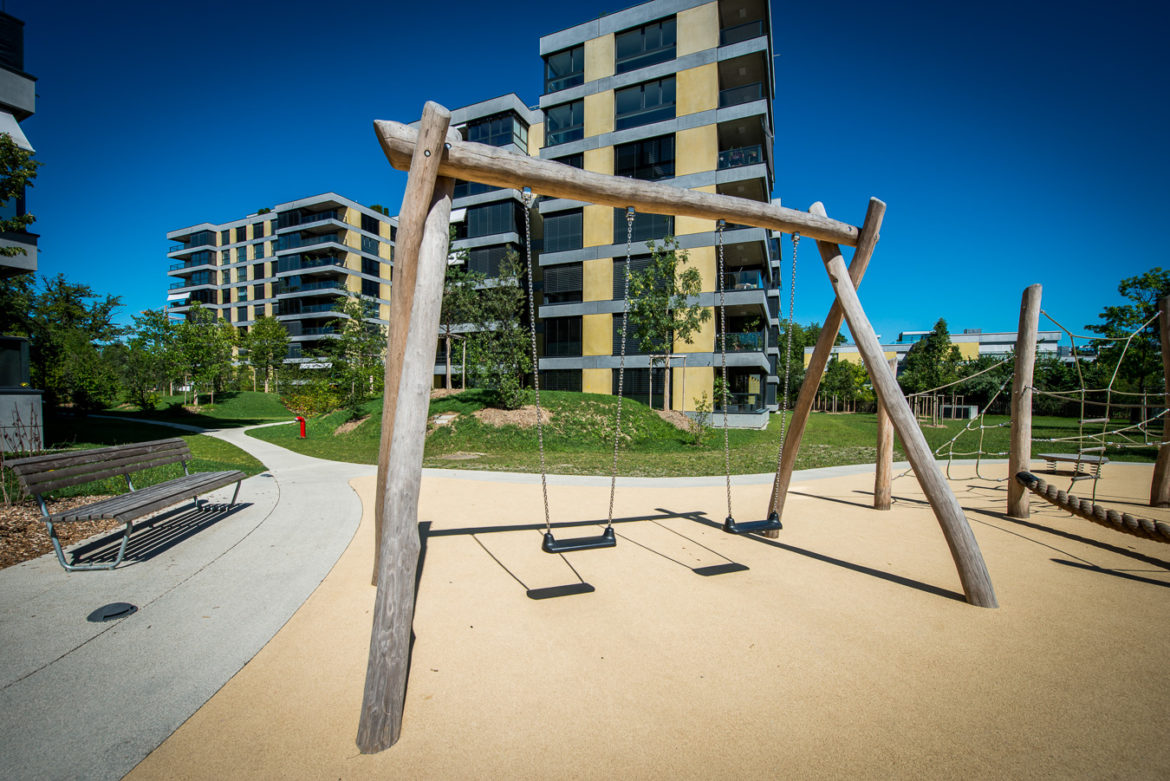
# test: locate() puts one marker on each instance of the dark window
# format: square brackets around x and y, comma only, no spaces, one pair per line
[486,260]
[564,123]
[492,218]
[370,288]
[562,284]
[464,189]
[241,314]
[562,231]
[242,233]
[500,130]
[225,237]
[370,224]
[637,385]
[646,45]
[370,266]
[561,380]
[257,292]
[632,346]
[577,160]
[258,230]
[643,104]
[646,226]
[370,245]
[225,257]
[637,263]
[562,336]
[202,278]
[241,254]
[652,158]
[564,69]
[258,250]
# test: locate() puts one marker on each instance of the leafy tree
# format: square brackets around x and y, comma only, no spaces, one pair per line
[154,358]
[499,351]
[17,170]
[265,346]
[205,343]
[461,303]
[87,378]
[932,361]
[358,353]
[802,336]
[663,304]
[17,298]
[980,390]
[847,381]
[1141,369]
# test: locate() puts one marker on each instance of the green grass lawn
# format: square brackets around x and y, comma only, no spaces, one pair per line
[232,409]
[208,453]
[578,440]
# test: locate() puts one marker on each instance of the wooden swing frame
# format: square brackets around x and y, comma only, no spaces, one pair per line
[435,157]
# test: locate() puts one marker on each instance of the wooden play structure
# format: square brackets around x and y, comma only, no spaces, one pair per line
[435,158]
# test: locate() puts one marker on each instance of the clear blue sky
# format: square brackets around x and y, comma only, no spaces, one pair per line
[1014,142]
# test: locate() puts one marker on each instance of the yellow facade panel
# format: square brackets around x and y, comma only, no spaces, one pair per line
[597,226]
[597,381]
[698,29]
[599,113]
[599,57]
[705,260]
[688,386]
[597,334]
[535,139]
[696,150]
[599,161]
[597,280]
[702,341]
[969,350]
[697,89]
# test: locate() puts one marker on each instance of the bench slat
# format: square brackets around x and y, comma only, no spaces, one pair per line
[136,504]
[71,457]
[44,482]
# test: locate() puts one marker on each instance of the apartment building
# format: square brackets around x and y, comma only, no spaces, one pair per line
[675,91]
[294,261]
[972,343]
[17,103]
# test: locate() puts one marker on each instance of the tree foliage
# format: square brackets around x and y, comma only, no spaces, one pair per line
[205,344]
[358,353]
[461,303]
[932,361]
[498,349]
[264,348]
[17,171]
[1140,370]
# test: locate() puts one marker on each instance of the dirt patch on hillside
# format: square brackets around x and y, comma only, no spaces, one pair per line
[525,417]
[439,393]
[677,419]
[349,425]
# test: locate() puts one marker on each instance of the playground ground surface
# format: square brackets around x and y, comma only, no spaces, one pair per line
[843,649]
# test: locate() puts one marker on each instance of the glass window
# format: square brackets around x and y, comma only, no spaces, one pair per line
[577,160]
[646,45]
[646,226]
[241,254]
[492,218]
[500,130]
[464,189]
[370,288]
[637,263]
[258,250]
[632,346]
[370,245]
[258,230]
[486,260]
[225,257]
[225,237]
[242,233]
[561,380]
[650,159]
[562,284]
[257,292]
[562,336]
[637,385]
[565,123]
[370,224]
[645,103]
[241,314]
[370,266]
[564,69]
[562,231]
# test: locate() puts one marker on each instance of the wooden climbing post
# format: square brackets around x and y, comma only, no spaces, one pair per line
[410,364]
[1020,455]
[869,235]
[882,491]
[1160,487]
[964,549]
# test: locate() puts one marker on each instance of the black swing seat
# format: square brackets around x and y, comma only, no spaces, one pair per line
[772,523]
[553,545]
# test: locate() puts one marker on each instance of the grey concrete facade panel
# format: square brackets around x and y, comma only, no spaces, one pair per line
[486,241]
[617,81]
[615,22]
[488,197]
[492,106]
[18,93]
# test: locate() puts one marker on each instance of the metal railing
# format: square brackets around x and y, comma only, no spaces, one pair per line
[744,342]
[748,279]
[734,96]
[742,403]
[740,156]
[741,32]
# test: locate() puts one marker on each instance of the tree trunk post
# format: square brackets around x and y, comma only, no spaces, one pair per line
[1020,454]
[1160,486]
[882,492]
[416,199]
[867,240]
[447,341]
[964,549]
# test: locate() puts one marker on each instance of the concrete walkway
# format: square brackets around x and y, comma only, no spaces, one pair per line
[80,699]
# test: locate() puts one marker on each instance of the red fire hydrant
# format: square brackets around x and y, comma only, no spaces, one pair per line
[302,422]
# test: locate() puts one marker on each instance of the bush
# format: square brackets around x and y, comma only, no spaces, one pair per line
[315,397]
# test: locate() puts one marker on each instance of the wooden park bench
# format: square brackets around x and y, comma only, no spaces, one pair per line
[41,474]
[1078,460]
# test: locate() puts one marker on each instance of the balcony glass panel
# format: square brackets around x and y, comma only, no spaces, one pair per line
[565,123]
[747,279]
[643,104]
[740,156]
[741,32]
[647,45]
[564,69]
[734,96]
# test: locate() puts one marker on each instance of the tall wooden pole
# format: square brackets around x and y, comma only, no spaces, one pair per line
[416,199]
[964,549]
[821,353]
[1020,454]
[882,491]
[1160,486]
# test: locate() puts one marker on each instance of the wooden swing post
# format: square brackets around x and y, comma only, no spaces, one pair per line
[1020,449]
[883,472]
[1160,485]
[869,235]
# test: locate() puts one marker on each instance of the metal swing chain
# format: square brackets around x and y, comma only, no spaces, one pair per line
[617,427]
[720,225]
[528,198]
[787,364]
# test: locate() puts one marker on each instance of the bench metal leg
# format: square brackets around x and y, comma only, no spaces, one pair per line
[76,567]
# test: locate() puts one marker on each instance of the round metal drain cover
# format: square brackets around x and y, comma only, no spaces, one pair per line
[112,611]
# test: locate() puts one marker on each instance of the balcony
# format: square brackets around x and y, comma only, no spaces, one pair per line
[284,288]
[741,32]
[746,93]
[293,241]
[746,341]
[741,403]
[741,156]
[744,279]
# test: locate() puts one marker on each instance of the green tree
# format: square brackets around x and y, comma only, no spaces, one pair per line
[205,344]
[265,346]
[154,354]
[663,304]
[932,361]
[846,380]
[17,171]
[498,350]
[358,353]
[461,302]
[1140,370]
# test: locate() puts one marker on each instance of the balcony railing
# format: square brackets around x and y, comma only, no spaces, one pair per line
[741,32]
[292,240]
[742,403]
[734,96]
[322,330]
[307,286]
[749,279]
[748,341]
[191,264]
[740,156]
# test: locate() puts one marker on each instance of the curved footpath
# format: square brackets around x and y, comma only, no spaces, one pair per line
[89,700]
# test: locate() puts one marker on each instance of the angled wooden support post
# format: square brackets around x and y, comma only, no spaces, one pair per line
[1160,486]
[867,240]
[1020,450]
[409,368]
[883,473]
[964,549]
